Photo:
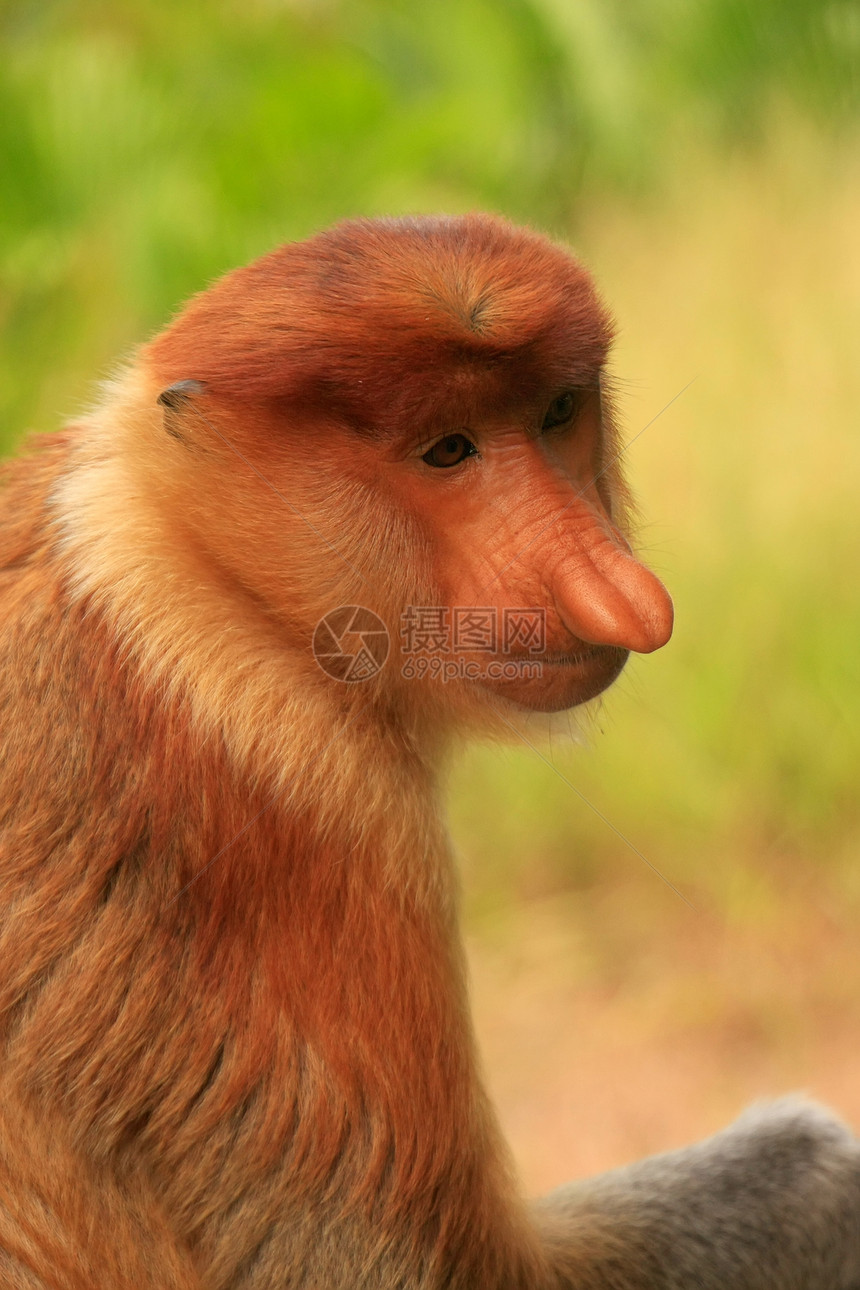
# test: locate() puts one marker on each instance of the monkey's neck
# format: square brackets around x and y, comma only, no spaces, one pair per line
[300,823]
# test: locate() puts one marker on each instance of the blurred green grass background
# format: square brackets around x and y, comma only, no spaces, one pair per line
[704,157]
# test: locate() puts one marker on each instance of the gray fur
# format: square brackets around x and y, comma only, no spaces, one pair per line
[772,1203]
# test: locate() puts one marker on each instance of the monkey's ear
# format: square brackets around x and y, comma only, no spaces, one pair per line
[174,400]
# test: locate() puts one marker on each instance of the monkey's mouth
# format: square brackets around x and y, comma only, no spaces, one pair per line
[581,653]
[560,679]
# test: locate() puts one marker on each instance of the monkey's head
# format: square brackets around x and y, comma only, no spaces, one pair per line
[411,415]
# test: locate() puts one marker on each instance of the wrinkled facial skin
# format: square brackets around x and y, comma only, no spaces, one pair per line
[521,521]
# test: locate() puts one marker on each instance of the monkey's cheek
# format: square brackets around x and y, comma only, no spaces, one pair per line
[557,686]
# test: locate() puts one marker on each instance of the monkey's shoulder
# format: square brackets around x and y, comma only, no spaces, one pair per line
[27,484]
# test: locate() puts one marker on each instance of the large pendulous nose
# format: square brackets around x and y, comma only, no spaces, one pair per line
[603,594]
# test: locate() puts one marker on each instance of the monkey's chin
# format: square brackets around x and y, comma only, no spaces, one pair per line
[562,681]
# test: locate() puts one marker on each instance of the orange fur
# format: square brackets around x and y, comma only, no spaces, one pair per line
[236,1036]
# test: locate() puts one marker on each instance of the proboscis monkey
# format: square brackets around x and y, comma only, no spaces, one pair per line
[358,494]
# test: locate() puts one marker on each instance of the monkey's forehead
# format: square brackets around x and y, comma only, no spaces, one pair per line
[386,300]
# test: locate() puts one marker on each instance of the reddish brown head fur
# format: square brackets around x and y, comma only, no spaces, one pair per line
[366,314]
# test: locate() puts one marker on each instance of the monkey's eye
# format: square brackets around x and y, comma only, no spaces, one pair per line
[450,451]
[560,410]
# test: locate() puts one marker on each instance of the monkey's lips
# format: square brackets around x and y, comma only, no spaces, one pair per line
[558,679]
